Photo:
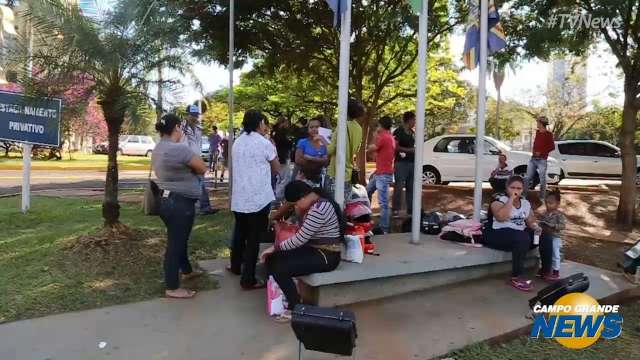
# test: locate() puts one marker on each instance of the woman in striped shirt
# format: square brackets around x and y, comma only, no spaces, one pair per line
[314,248]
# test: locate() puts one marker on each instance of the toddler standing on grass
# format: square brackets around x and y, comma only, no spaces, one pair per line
[553,222]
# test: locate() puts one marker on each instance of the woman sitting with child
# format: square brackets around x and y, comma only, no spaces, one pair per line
[314,248]
[511,228]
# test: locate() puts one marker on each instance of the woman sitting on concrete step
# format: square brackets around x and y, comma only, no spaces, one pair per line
[512,228]
[315,247]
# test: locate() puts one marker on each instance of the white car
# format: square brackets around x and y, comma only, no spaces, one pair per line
[450,158]
[589,159]
[136,145]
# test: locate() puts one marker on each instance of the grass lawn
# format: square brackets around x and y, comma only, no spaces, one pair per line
[78,161]
[525,348]
[41,275]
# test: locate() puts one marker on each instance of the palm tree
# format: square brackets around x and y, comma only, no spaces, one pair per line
[114,53]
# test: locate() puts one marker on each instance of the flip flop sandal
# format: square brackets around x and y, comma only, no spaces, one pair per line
[257,285]
[192,275]
[192,292]
[283,318]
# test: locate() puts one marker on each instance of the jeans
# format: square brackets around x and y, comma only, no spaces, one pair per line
[518,243]
[404,178]
[204,195]
[555,258]
[538,166]
[283,178]
[381,183]
[244,249]
[178,213]
[284,265]
[330,188]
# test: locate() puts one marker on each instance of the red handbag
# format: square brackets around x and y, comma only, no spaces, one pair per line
[284,231]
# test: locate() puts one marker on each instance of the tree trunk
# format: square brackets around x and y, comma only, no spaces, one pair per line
[627,204]
[114,116]
[159,104]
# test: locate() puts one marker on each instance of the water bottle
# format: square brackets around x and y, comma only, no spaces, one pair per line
[536,241]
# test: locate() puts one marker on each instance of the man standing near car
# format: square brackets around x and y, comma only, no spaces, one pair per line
[192,130]
[405,156]
[542,146]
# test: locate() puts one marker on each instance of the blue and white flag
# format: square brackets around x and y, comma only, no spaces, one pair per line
[338,7]
[496,38]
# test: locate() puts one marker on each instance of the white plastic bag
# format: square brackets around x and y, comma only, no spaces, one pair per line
[353,251]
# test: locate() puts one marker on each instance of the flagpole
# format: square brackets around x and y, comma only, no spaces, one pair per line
[231,104]
[482,105]
[343,99]
[420,123]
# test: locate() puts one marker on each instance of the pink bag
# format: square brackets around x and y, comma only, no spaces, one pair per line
[276,301]
[275,298]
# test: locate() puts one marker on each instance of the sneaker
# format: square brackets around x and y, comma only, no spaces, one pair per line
[539,274]
[522,285]
[395,214]
[556,273]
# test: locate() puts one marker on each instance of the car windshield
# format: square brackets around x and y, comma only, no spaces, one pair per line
[499,144]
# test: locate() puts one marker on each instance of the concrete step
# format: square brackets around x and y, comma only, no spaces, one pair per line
[403,267]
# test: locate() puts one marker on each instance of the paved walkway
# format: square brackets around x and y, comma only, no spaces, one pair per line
[229,324]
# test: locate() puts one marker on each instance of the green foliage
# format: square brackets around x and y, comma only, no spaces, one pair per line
[297,44]
[513,116]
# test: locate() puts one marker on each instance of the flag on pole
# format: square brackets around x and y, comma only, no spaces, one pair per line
[496,38]
[338,7]
[416,5]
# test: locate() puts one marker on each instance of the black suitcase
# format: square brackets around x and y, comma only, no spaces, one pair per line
[326,330]
[576,283]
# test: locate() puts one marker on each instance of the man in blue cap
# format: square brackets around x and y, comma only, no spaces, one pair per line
[192,130]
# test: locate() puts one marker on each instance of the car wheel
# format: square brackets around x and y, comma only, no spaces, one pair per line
[148,153]
[430,176]
[120,153]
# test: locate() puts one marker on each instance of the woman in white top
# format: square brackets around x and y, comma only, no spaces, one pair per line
[254,161]
[511,228]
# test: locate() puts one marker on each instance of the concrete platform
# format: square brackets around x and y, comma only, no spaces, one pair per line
[403,267]
[231,324]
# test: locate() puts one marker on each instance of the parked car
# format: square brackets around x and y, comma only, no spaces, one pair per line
[205,149]
[136,145]
[450,158]
[101,148]
[589,159]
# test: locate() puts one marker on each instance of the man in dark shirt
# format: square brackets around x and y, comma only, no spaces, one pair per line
[405,157]
[542,146]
